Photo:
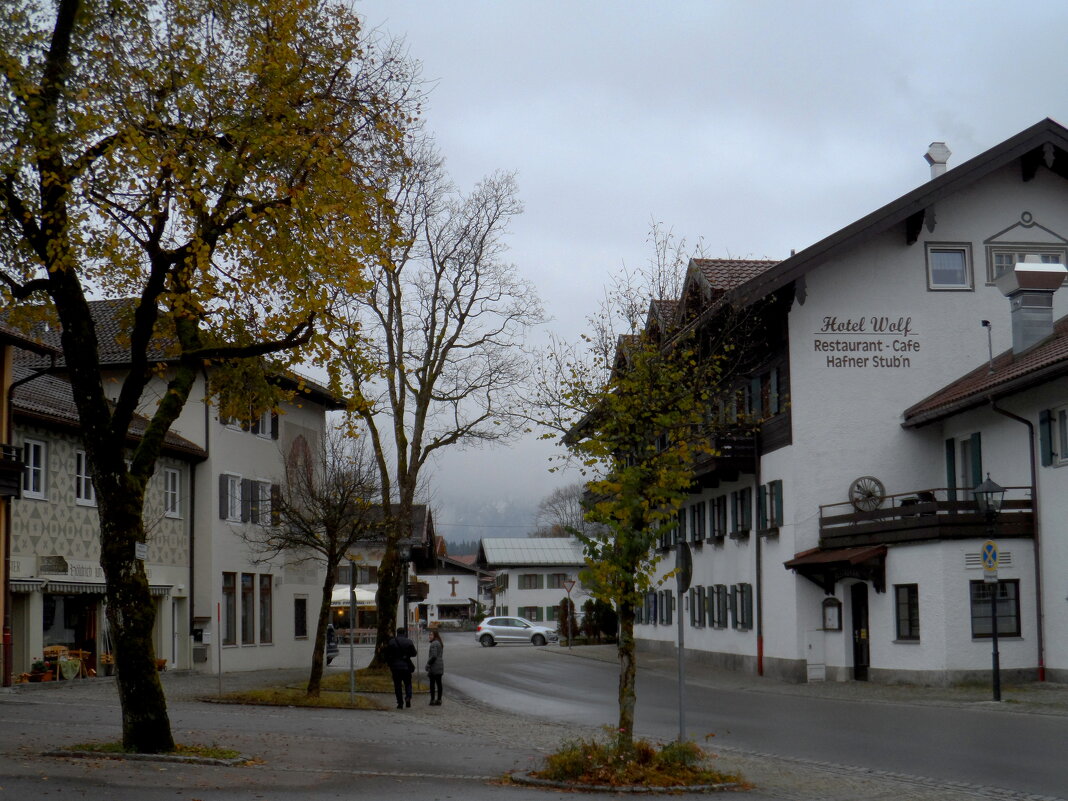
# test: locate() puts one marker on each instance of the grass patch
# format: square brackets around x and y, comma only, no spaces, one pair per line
[205,751]
[289,696]
[612,763]
[368,680]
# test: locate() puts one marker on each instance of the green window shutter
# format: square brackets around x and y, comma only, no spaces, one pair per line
[747,605]
[732,606]
[1045,437]
[762,508]
[777,485]
[951,468]
[977,459]
[541,583]
[754,398]
[773,391]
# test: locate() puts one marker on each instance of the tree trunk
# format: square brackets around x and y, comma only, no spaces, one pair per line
[131,614]
[388,593]
[315,678]
[627,674]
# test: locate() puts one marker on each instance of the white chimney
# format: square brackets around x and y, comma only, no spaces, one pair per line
[1029,286]
[937,155]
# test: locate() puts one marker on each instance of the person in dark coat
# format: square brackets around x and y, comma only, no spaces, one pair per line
[435,666]
[399,653]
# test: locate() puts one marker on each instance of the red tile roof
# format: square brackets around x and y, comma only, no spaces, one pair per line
[1008,374]
[48,400]
[731,273]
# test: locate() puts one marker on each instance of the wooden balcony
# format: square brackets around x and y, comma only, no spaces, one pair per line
[734,454]
[935,514]
[11,469]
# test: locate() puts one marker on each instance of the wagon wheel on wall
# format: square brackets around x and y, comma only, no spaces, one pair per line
[867,494]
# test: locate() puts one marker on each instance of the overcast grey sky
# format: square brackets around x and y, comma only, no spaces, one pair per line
[755,126]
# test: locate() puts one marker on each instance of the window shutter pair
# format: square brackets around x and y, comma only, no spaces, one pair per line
[1045,437]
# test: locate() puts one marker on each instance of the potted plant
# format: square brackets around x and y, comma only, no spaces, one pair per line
[39,671]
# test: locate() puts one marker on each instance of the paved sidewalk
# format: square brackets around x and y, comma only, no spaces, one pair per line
[1044,698]
[467,741]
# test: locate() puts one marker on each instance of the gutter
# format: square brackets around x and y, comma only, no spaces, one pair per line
[1038,542]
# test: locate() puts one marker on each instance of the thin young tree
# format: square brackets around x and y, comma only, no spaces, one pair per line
[445,319]
[209,159]
[326,506]
[633,408]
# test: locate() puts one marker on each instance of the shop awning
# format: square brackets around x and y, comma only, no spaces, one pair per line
[827,566]
[74,587]
[26,585]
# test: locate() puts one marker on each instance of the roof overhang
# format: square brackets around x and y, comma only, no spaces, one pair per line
[825,567]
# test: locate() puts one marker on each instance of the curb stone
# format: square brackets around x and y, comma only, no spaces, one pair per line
[533,781]
[175,758]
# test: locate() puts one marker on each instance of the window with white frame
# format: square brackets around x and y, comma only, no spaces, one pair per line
[84,493]
[769,505]
[949,267]
[1002,258]
[172,485]
[697,521]
[260,502]
[230,497]
[33,479]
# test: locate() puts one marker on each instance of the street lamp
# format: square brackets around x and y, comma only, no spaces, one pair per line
[404,551]
[989,497]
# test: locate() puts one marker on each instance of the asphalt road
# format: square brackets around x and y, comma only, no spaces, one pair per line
[462,749]
[978,744]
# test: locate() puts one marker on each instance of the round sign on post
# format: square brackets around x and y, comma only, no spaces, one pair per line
[684,566]
[990,562]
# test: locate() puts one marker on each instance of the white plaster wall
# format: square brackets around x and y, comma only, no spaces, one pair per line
[220,546]
[514,598]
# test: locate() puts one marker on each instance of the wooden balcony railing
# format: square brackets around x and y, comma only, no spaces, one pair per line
[930,514]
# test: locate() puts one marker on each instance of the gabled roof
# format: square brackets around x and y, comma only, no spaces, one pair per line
[725,274]
[10,335]
[49,401]
[113,320]
[1006,375]
[530,551]
[1045,143]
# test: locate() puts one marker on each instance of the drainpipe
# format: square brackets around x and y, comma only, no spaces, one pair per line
[759,566]
[1038,541]
[8,649]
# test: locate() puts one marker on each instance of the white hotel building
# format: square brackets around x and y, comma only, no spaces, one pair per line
[841,539]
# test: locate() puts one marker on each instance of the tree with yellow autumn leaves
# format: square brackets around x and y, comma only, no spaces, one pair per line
[216,160]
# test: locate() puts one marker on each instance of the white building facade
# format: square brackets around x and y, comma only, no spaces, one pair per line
[533,575]
[836,542]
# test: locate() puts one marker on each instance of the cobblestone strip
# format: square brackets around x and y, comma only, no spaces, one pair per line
[940,786]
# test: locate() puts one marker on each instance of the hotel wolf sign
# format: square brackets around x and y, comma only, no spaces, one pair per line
[878,342]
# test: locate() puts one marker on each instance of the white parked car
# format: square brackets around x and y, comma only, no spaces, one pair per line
[493,630]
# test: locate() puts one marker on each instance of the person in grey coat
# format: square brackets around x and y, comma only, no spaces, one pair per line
[435,666]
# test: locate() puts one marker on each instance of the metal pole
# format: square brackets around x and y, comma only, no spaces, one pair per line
[570,620]
[219,641]
[682,674]
[352,632]
[995,656]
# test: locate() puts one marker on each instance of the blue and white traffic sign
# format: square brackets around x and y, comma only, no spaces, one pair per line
[989,554]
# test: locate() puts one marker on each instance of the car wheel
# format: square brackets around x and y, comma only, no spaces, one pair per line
[486,640]
[537,639]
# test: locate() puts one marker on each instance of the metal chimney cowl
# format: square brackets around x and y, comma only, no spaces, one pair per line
[937,156]
[1029,286]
